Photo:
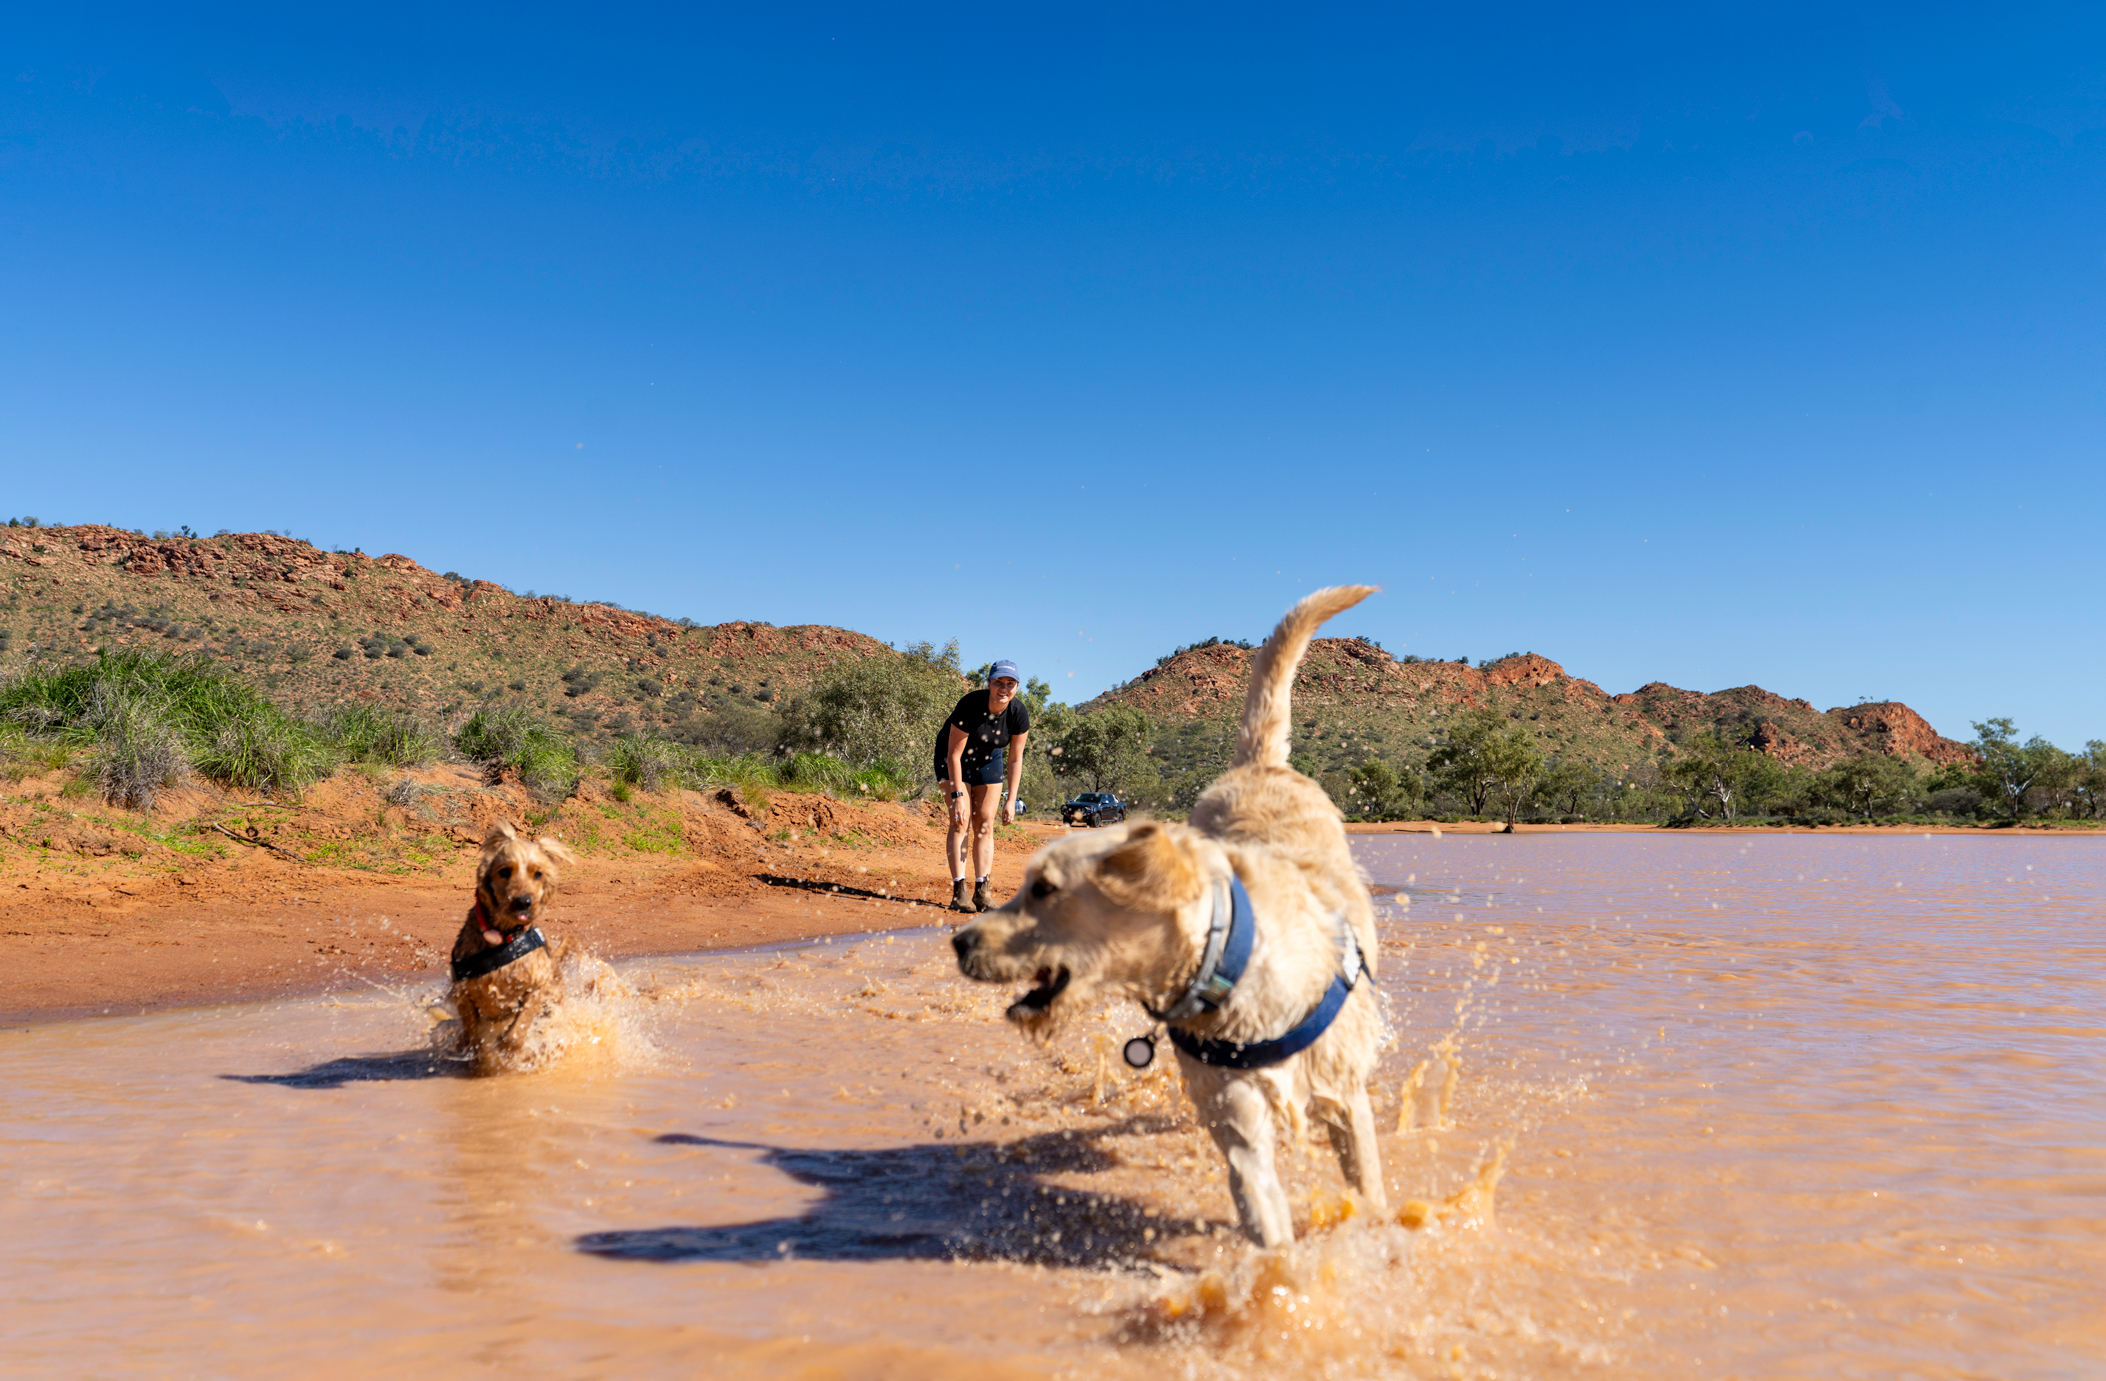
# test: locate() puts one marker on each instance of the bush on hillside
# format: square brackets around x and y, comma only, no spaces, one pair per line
[880,712]
[153,718]
[545,760]
[392,738]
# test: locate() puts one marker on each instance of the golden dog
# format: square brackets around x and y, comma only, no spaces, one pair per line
[505,977]
[1137,911]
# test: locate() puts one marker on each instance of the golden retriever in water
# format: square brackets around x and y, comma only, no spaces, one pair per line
[1142,911]
[505,977]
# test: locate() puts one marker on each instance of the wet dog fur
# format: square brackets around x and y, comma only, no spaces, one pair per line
[514,882]
[1123,913]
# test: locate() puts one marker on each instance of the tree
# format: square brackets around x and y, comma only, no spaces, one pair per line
[1108,749]
[1720,772]
[1462,764]
[2008,770]
[880,710]
[1376,791]
[1514,763]
[2088,789]
[1866,785]
[1563,785]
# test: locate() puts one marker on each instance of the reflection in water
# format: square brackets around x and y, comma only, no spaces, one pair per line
[1724,1105]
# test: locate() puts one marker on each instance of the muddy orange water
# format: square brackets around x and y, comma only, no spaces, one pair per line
[1662,1107]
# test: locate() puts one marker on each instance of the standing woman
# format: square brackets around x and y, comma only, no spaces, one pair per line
[971,767]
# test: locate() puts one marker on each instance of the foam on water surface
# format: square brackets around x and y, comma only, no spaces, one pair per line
[1721,1106]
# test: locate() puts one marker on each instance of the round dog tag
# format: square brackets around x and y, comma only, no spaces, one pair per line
[1140,1052]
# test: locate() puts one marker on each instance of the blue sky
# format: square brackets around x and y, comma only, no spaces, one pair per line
[1712,346]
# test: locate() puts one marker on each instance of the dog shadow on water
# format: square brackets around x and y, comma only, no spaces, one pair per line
[361,1069]
[924,1203]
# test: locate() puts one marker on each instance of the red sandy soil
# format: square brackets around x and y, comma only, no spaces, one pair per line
[215,898]
[107,911]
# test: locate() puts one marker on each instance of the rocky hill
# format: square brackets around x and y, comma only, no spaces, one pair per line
[318,628]
[1353,701]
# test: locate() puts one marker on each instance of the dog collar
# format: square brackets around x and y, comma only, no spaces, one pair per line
[491,960]
[1230,930]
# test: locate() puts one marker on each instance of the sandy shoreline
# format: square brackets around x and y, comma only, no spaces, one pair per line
[2028,830]
[104,912]
[92,922]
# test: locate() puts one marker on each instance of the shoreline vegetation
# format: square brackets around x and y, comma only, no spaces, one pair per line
[200,800]
[90,695]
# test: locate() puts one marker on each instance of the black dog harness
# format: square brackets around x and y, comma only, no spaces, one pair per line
[491,960]
[1230,933]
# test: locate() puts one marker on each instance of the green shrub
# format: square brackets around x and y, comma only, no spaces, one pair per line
[141,752]
[366,733]
[879,710]
[155,717]
[643,761]
[516,738]
[22,756]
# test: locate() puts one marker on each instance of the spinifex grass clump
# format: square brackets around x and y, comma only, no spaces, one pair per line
[545,760]
[366,733]
[155,718]
[24,756]
[655,764]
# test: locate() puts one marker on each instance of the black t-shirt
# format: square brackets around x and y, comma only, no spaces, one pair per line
[985,733]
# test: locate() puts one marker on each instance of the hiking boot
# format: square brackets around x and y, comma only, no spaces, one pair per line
[960,897]
[981,901]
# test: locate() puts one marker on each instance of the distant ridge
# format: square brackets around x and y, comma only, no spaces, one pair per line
[1353,700]
[320,627]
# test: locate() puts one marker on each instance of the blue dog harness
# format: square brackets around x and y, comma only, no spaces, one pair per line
[1230,933]
[491,960]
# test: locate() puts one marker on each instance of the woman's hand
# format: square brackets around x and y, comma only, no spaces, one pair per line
[1009,810]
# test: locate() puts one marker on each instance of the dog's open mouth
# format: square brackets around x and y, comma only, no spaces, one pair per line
[1051,983]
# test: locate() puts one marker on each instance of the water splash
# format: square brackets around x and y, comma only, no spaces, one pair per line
[600,1021]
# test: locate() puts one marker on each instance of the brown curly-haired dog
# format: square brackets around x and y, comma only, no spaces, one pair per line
[505,976]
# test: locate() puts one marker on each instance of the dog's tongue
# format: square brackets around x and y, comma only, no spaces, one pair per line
[493,937]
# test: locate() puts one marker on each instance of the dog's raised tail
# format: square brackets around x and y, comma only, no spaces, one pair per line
[1267,710]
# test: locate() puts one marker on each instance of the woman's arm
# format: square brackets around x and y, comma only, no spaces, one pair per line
[1015,774]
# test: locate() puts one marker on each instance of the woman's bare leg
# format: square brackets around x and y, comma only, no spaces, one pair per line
[953,841]
[985,800]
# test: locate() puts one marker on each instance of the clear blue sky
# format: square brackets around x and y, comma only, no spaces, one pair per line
[1697,344]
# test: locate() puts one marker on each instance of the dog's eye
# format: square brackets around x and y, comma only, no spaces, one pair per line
[1043,889]
[537,875]
[505,871]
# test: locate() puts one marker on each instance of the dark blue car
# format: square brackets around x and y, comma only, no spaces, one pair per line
[1093,808]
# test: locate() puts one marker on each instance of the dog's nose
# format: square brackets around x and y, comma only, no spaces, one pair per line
[963,942]
[522,903]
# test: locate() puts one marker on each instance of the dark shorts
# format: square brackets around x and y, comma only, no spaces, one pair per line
[988,773]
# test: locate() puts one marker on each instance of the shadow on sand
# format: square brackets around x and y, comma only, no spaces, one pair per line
[924,1203]
[359,1069]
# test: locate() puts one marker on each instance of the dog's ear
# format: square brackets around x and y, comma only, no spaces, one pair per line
[1151,871]
[555,849]
[494,843]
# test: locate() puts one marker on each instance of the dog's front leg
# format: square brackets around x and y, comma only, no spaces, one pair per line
[515,1035]
[1352,1132]
[1240,1121]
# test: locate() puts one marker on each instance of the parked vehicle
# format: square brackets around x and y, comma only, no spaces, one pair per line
[1093,808]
